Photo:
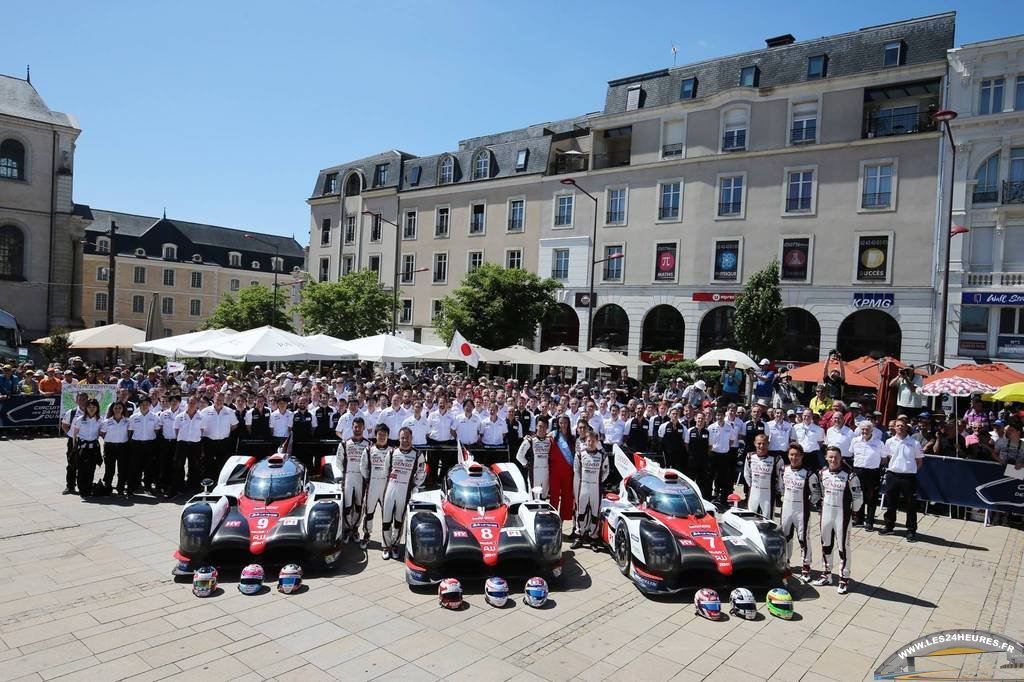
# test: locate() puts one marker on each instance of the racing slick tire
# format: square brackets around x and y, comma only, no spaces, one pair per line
[621,550]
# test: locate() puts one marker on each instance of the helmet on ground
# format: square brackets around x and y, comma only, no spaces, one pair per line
[252,579]
[204,581]
[536,592]
[449,594]
[780,603]
[496,592]
[742,603]
[289,580]
[708,604]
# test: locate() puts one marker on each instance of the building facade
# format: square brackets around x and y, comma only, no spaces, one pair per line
[820,153]
[184,267]
[986,295]
[40,226]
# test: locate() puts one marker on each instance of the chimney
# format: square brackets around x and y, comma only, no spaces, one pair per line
[778,41]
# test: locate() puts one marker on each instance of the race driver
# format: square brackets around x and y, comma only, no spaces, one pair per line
[375,467]
[407,473]
[589,470]
[761,471]
[352,452]
[841,496]
[800,491]
[534,456]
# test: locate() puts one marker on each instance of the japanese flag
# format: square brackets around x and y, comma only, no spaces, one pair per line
[464,351]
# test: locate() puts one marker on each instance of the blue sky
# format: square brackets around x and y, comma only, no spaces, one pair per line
[224,111]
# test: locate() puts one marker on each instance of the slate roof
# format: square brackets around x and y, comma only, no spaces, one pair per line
[926,39]
[366,166]
[19,98]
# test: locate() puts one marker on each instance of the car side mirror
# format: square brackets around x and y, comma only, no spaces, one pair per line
[207,484]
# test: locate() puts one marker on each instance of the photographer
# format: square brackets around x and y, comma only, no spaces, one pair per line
[908,397]
[833,374]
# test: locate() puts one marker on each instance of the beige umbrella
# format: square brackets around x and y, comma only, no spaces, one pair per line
[563,356]
[446,355]
[611,358]
[106,336]
[520,355]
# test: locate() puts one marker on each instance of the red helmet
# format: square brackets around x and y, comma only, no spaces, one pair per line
[449,594]
[708,604]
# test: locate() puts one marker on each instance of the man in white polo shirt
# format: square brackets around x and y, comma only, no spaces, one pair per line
[218,423]
[810,436]
[841,436]
[904,458]
[779,433]
[867,452]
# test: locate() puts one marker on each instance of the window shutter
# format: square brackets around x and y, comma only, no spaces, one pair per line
[673,133]
[805,109]
[736,118]
[634,98]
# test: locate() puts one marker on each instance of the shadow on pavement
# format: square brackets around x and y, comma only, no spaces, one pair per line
[885,594]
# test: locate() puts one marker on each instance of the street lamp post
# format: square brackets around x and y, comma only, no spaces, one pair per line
[398,246]
[277,259]
[593,254]
[944,116]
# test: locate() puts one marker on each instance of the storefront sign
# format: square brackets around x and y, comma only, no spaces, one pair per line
[715,296]
[796,258]
[873,258]
[727,260]
[665,262]
[582,299]
[992,298]
[873,299]
[972,345]
[1010,345]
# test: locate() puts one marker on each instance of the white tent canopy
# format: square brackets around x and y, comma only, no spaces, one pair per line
[107,336]
[446,355]
[607,357]
[325,341]
[520,355]
[713,357]
[263,344]
[387,348]
[169,346]
[563,356]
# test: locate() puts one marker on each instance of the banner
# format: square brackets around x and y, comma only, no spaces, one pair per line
[665,262]
[29,410]
[970,483]
[727,260]
[105,393]
[796,258]
[873,259]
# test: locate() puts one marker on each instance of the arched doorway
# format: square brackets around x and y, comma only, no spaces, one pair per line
[802,339]
[353,185]
[611,328]
[869,332]
[663,329]
[716,330]
[562,329]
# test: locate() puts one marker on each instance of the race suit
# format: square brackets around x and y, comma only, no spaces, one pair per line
[841,496]
[407,473]
[800,491]
[375,467]
[761,474]
[537,462]
[588,472]
[351,453]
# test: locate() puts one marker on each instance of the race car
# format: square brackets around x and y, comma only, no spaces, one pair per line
[264,510]
[667,538]
[481,522]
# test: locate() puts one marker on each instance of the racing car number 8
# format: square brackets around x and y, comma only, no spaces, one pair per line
[487,533]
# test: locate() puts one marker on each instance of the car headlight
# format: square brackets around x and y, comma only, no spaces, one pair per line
[659,545]
[323,523]
[427,538]
[547,529]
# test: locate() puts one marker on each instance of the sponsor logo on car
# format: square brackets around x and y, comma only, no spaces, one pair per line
[459,534]
[260,514]
[735,539]
[232,524]
[291,521]
[645,582]
[512,533]
[703,533]
[484,524]
[686,542]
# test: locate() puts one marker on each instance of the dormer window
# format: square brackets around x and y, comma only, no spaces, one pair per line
[277,263]
[255,265]
[750,77]
[103,245]
[895,53]
[817,66]
[521,158]
[482,165]
[331,183]
[196,258]
[688,88]
[140,252]
[170,252]
[634,98]
[446,174]
[235,259]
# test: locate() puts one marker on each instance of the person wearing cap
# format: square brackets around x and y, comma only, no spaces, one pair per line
[907,384]
[696,393]
[821,402]
[764,381]
[732,383]
[785,395]
[10,384]
[49,384]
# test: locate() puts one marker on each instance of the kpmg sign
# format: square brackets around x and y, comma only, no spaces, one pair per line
[992,298]
[873,299]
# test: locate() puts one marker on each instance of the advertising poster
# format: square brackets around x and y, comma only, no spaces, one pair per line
[873,259]
[665,262]
[727,260]
[796,258]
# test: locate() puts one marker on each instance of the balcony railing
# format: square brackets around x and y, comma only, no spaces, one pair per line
[993,279]
[1013,191]
[985,195]
[615,217]
[886,124]
[729,207]
[669,151]
[612,159]
[797,204]
[570,163]
[876,199]
[668,212]
[515,224]
[803,134]
[734,141]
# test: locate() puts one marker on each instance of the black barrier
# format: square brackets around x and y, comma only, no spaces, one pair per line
[21,411]
[969,483]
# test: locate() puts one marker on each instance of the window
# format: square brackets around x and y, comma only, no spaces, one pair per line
[197,280]
[669,196]
[817,66]
[734,136]
[277,263]
[195,307]
[408,268]
[877,190]
[347,264]
[750,76]
[196,258]
[409,227]
[688,88]
[167,306]
[560,264]
[804,129]
[350,229]
[170,252]
[476,259]
[991,101]
[325,232]
[376,227]
[671,139]
[563,210]
[380,174]
[974,319]
[331,183]
[514,259]
[168,277]
[254,283]
[414,175]
[168,332]
[12,160]
[616,202]
[634,98]
[101,300]
[139,275]
[138,304]
[102,245]
[516,214]
[612,271]
[522,156]
[325,270]
[893,55]
[446,174]
[255,265]
[442,219]
[482,165]
[440,268]
[235,259]
[234,285]
[405,312]
[140,252]
[12,253]
[730,196]
[1011,321]
[103,274]
[1016,168]
[1018,99]
[986,191]
[435,309]
[476,218]
[799,191]
[373,263]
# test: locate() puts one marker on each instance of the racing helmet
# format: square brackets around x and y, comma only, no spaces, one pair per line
[289,580]
[496,592]
[742,603]
[707,604]
[536,592]
[449,594]
[780,603]
[204,581]
[251,581]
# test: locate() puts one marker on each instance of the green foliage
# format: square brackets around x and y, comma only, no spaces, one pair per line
[497,307]
[58,348]
[351,308]
[686,370]
[759,323]
[251,308]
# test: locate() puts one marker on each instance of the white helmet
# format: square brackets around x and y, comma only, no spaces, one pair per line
[536,592]
[251,581]
[289,580]
[741,603]
[496,592]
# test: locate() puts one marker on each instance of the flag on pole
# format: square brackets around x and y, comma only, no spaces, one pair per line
[464,350]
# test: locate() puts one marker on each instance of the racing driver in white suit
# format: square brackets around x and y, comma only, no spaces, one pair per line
[352,452]
[534,455]
[589,470]
[761,471]
[408,473]
[800,491]
[375,466]
[841,496]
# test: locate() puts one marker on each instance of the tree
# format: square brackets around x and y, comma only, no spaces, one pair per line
[354,307]
[58,347]
[251,308]
[759,322]
[497,307]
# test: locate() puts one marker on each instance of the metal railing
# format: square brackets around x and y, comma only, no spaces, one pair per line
[669,151]
[876,199]
[734,140]
[668,212]
[515,224]
[729,207]
[615,217]
[1013,191]
[985,195]
[569,163]
[794,204]
[887,124]
[803,134]
[612,159]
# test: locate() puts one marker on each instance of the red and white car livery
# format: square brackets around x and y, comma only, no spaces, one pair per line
[482,522]
[667,538]
[270,510]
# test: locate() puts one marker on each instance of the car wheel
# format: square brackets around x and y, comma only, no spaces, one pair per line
[621,549]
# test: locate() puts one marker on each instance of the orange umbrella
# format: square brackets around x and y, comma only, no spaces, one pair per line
[854,377]
[997,374]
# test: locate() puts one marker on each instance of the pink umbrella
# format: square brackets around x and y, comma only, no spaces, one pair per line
[958,387]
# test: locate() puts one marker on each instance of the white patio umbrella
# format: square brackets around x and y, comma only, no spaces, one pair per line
[107,336]
[387,348]
[320,341]
[610,357]
[263,344]
[446,355]
[520,355]
[563,356]
[169,347]
[713,357]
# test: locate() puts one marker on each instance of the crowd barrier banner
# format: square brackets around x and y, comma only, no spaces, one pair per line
[29,411]
[104,393]
[969,483]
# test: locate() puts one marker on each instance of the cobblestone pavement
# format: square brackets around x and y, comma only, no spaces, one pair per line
[87,595]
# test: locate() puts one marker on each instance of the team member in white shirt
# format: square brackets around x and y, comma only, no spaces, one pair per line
[85,431]
[904,458]
[188,427]
[493,430]
[419,424]
[779,433]
[371,416]
[114,431]
[722,441]
[281,422]
[169,442]
[467,425]
[868,453]
[613,428]
[142,425]
[841,436]
[344,426]
[810,437]
[218,423]
[394,416]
